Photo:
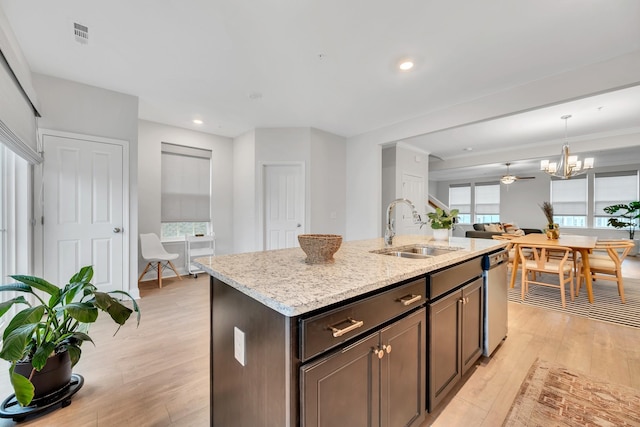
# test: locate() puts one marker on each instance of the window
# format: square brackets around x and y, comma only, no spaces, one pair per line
[612,189]
[569,200]
[15,246]
[460,198]
[487,204]
[186,191]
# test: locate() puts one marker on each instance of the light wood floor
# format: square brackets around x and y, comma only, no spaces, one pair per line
[158,374]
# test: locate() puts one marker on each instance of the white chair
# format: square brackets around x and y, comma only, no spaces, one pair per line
[156,256]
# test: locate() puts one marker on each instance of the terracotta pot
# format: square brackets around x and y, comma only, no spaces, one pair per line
[54,376]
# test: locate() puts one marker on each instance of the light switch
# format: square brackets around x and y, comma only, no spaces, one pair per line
[239,350]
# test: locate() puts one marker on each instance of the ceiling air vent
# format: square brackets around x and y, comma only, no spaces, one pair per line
[81,33]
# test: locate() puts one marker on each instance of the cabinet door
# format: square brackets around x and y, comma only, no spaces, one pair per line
[472,331]
[444,346]
[342,389]
[403,373]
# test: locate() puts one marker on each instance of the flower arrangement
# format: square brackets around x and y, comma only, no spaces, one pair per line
[553,229]
[547,209]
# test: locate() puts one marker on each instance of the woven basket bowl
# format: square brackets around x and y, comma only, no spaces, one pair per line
[320,247]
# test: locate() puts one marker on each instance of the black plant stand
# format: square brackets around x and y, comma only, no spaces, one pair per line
[10,408]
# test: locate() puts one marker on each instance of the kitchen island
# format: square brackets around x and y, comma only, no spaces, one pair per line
[270,308]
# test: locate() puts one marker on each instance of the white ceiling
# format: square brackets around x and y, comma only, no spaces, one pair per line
[332,64]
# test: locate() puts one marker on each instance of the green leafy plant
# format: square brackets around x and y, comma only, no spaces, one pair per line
[440,219]
[627,218]
[55,325]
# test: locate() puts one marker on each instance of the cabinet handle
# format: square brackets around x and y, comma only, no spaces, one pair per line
[378,352]
[355,324]
[410,299]
[387,348]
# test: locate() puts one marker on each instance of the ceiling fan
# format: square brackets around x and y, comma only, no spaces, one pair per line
[510,179]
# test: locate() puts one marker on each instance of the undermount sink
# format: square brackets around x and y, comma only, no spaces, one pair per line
[406,254]
[416,251]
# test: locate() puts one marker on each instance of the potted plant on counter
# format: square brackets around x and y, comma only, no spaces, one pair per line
[51,330]
[442,222]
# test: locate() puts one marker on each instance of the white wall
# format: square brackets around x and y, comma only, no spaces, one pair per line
[364,184]
[244,193]
[388,184]
[328,174]
[74,107]
[150,137]
[323,156]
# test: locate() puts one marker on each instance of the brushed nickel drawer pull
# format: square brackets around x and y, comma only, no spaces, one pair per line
[410,299]
[355,324]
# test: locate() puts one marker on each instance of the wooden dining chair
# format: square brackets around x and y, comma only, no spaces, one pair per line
[511,249]
[536,262]
[606,263]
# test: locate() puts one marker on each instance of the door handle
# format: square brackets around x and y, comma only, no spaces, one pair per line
[299,225]
[117,230]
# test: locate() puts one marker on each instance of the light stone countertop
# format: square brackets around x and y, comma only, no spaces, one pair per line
[281,280]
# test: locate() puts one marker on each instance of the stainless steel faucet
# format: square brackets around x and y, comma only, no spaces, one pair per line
[390,231]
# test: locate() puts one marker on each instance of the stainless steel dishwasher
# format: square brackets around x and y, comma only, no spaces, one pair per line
[495,288]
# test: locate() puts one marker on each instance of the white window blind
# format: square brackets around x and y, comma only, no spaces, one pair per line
[460,198]
[17,116]
[186,184]
[487,198]
[612,189]
[569,196]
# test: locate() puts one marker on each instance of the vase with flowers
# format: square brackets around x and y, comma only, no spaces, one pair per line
[553,229]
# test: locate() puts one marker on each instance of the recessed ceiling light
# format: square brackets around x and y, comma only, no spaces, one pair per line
[406,65]
[197,121]
[468,149]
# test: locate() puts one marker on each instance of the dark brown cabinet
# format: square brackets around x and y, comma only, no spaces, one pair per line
[455,339]
[378,381]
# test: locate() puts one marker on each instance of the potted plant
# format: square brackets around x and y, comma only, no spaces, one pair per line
[52,329]
[553,229]
[627,216]
[442,222]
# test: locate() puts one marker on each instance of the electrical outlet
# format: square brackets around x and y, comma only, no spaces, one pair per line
[239,349]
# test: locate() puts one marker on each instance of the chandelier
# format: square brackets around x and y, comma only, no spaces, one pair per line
[568,165]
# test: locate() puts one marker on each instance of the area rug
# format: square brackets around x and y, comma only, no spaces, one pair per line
[606,306]
[552,395]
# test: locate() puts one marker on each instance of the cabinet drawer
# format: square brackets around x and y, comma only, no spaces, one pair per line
[452,277]
[327,330]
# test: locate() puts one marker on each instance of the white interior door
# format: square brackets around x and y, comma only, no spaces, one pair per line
[83,210]
[283,205]
[413,190]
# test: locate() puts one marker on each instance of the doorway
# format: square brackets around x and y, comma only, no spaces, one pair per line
[84,209]
[413,190]
[283,206]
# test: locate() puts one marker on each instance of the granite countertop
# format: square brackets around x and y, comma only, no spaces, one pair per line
[281,280]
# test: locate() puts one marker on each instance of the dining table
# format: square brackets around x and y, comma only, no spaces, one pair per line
[582,244]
